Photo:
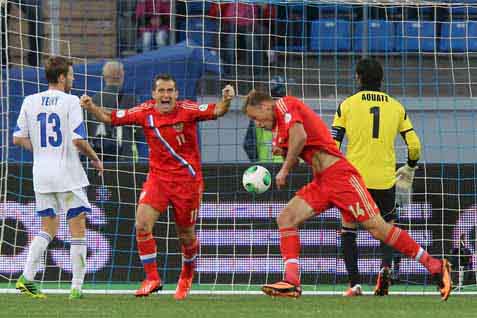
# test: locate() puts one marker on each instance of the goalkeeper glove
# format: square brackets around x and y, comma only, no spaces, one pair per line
[405,177]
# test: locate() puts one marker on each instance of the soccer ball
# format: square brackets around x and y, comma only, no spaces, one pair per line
[256,179]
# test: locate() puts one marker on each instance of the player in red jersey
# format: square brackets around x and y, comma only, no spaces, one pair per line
[300,132]
[175,174]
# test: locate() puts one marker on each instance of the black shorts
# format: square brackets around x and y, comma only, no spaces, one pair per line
[386,202]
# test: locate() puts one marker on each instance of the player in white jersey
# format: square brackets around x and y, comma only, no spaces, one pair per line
[51,125]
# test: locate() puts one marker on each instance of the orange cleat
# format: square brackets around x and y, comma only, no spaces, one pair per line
[445,283]
[383,282]
[183,287]
[148,287]
[353,291]
[282,289]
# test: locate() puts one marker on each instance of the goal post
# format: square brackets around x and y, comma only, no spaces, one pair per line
[305,48]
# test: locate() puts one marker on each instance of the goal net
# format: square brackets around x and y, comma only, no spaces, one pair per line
[304,48]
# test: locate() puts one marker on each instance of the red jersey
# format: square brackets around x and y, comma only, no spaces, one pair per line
[290,110]
[172,138]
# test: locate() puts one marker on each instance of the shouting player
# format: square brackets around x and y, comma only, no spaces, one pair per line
[371,119]
[51,125]
[300,133]
[175,175]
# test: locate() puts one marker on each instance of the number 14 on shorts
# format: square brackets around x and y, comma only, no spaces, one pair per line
[356,210]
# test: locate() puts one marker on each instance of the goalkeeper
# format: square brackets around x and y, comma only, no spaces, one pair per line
[371,120]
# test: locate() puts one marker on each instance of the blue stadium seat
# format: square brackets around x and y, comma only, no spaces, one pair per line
[199,7]
[294,29]
[472,35]
[202,31]
[335,10]
[413,36]
[380,36]
[329,35]
[453,36]
[462,12]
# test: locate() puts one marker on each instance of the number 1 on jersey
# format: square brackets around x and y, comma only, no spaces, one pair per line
[375,111]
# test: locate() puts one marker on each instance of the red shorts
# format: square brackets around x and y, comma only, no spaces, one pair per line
[184,196]
[341,186]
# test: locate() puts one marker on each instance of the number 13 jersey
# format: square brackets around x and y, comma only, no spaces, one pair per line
[52,120]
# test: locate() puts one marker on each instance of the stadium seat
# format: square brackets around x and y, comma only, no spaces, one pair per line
[335,11]
[472,35]
[380,36]
[465,11]
[453,36]
[198,7]
[294,29]
[413,36]
[329,35]
[202,31]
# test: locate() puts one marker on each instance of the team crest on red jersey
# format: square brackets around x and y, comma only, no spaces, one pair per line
[179,127]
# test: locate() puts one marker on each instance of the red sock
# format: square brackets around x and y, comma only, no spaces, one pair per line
[189,255]
[290,250]
[401,241]
[147,248]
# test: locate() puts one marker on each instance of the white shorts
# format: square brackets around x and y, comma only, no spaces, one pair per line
[71,203]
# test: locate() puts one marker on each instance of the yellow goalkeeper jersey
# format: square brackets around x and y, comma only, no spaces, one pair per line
[371,120]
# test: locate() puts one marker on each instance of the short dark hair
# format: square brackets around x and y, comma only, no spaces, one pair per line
[164,77]
[55,66]
[255,98]
[370,73]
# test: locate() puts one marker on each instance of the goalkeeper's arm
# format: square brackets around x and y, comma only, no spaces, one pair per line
[405,174]
[413,147]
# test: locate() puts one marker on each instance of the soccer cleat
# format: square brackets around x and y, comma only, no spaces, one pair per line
[183,287]
[444,280]
[75,294]
[148,287]
[353,291]
[383,282]
[29,288]
[282,289]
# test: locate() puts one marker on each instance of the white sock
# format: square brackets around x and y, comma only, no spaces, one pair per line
[78,261]
[37,249]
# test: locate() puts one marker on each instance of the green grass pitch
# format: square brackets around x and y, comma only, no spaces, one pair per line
[115,306]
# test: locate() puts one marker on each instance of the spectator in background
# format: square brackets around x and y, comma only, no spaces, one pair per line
[113,143]
[153,18]
[247,22]
[258,141]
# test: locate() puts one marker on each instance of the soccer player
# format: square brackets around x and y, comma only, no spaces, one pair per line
[371,119]
[300,132]
[51,125]
[175,175]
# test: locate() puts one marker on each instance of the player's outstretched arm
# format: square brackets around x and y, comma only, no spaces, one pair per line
[23,142]
[101,114]
[85,148]
[222,107]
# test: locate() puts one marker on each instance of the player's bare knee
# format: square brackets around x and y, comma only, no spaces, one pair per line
[286,218]
[77,226]
[50,225]
[142,226]
[186,235]
[378,230]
